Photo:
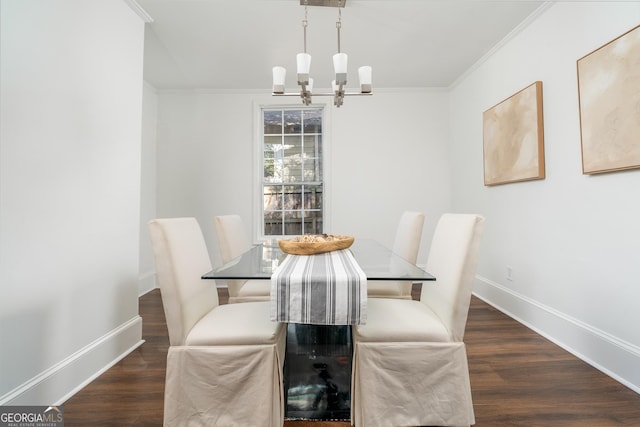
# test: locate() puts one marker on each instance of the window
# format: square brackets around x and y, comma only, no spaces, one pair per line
[292,176]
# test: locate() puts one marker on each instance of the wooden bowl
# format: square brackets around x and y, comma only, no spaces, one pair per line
[333,242]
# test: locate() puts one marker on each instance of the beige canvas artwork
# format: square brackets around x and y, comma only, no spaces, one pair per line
[609,90]
[513,138]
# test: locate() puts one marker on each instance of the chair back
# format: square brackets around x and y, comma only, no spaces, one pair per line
[409,235]
[233,240]
[181,259]
[453,258]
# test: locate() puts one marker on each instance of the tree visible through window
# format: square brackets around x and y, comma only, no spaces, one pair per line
[292,180]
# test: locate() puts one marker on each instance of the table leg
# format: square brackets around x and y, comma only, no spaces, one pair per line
[317,372]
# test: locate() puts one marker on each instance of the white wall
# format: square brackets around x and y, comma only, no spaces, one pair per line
[389,155]
[148,184]
[386,154]
[71,95]
[572,240]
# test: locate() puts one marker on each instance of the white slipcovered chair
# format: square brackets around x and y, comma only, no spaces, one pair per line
[233,241]
[413,371]
[406,244]
[224,365]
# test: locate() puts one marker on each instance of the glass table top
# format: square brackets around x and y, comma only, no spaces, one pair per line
[377,262]
[317,367]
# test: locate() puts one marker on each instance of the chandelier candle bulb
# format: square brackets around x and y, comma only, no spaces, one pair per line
[279,74]
[303,61]
[364,73]
[340,67]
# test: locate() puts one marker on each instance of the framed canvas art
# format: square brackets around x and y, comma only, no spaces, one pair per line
[609,101]
[513,138]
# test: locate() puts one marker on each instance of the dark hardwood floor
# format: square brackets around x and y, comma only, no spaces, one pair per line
[518,378]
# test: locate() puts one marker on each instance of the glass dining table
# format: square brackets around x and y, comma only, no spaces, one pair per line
[317,369]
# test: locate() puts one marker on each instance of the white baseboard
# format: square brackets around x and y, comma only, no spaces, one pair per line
[605,352]
[58,383]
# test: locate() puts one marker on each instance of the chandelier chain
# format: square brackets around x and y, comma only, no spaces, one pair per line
[304,26]
[338,26]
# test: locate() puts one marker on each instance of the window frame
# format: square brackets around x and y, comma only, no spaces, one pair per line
[258,194]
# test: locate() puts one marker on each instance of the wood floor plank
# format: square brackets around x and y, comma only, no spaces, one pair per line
[518,378]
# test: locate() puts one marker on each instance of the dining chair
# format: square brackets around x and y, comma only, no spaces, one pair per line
[406,244]
[225,362]
[410,363]
[233,241]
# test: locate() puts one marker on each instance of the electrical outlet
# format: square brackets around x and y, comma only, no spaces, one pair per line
[509,273]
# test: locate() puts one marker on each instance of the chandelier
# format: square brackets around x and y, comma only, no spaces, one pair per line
[303,61]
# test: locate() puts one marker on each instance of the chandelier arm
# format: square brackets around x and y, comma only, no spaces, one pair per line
[323,94]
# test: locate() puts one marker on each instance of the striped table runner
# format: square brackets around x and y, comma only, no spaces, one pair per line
[322,289]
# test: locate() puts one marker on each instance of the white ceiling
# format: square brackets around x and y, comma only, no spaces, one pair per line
[233,44]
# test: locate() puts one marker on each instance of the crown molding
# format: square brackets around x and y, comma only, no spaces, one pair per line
[133,4]
[517,30]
